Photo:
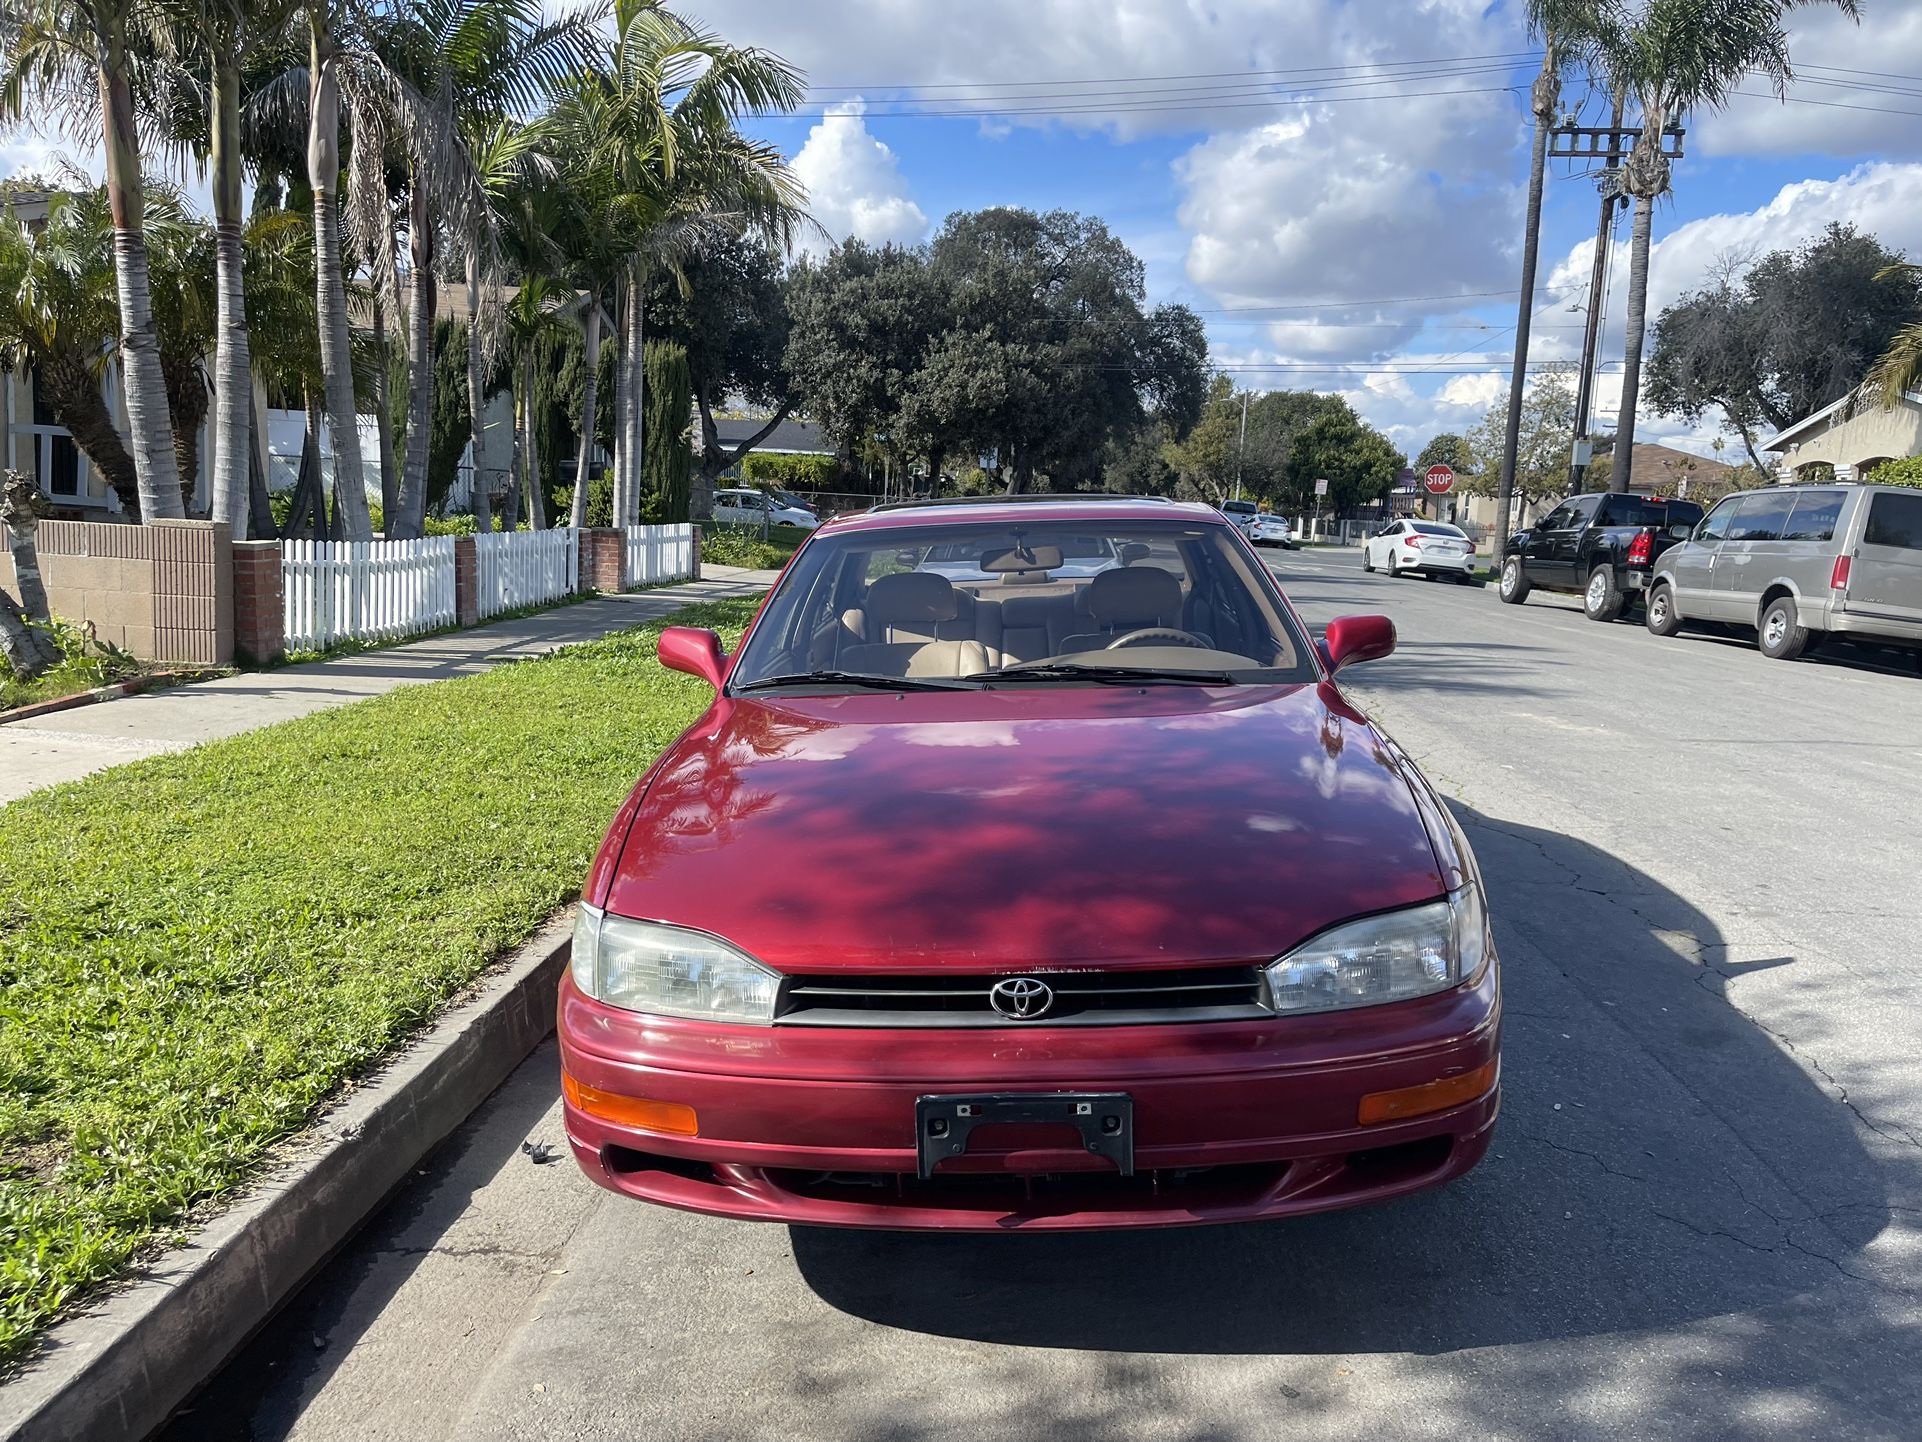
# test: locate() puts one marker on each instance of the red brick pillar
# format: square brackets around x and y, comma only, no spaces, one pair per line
[466,582]
[259,612]
[697,551]
[603,559]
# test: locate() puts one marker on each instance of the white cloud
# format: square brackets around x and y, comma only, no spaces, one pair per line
[854,182]
[1826,46]
[1883,200]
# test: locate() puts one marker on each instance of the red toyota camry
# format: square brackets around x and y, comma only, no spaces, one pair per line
[1030,870]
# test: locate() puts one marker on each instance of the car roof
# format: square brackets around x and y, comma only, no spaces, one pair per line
[1004,510]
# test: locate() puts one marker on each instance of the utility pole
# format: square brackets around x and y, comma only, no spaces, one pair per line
[1611,144]
[1241,446]
[1611,187]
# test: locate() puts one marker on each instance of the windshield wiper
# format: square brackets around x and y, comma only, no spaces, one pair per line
[857,678]
[1113,675]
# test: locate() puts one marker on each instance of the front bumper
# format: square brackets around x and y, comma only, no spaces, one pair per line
[1233,1121]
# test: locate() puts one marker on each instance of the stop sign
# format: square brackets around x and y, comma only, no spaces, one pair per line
[1439,479]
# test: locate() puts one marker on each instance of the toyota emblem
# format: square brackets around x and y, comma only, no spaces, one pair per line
[1021,998]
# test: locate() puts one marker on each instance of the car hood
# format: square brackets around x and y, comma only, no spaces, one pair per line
[1022,829]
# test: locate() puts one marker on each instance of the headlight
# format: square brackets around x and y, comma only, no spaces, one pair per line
[669,971]
[1402,954]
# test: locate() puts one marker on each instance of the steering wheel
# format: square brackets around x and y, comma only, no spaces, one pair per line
[1157,636]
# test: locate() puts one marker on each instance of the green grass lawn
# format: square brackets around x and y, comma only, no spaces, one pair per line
[197,950]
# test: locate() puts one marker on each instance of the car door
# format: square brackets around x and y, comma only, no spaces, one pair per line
[727,507]
[1544,544]
[1565,544]
[1885,576]
[1690,566]
[1742,570]
[1382,544]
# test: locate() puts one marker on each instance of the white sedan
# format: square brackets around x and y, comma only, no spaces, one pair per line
[753,508]
[1267,530]
[1426,548]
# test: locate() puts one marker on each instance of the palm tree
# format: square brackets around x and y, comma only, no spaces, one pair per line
[64,57]
[660,131]
[1899,371]
[1675,57]
[57,307]
[1566,29]
[214,44]
[474,65]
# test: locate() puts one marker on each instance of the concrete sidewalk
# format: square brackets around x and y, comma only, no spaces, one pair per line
[68,744]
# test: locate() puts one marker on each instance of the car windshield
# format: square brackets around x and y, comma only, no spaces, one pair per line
[1046,602]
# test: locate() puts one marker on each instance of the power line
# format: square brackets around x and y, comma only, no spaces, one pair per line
[1122,108]
[1513,56]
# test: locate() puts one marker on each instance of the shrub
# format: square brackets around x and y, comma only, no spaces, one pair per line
[728,546]
[789,473]
[1905,472]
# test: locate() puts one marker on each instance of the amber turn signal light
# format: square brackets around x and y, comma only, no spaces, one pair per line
[673,1118]
[1435,1096]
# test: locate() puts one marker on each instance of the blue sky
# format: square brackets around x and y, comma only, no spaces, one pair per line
[1303,230]
[1381,190]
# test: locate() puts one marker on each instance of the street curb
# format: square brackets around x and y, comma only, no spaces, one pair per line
[124,1367]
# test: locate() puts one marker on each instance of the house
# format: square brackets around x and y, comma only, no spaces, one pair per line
[790,438]
[1667,471]
[1850,440]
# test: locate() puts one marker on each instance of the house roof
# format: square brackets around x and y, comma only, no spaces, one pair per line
[791,436]
[1653,460]
[1782,439]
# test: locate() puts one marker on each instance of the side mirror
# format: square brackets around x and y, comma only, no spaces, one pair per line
[693,650]
[1356,638]
[1681,532]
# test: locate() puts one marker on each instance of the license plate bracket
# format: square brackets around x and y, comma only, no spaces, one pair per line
[1105,1122]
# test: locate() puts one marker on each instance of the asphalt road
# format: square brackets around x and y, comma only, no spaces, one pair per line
[1702,1216]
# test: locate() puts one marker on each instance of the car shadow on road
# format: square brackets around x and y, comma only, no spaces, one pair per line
[1663,1168]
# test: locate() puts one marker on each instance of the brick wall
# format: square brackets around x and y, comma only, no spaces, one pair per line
[259,606]
[603,560]
[162,591]
[466,582]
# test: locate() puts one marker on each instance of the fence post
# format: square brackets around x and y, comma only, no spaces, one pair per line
[695,543]
[260,619]
[466,582]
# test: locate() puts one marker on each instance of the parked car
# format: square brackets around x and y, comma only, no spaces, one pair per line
[939,917]
[1271,530]
[1242,513]
[1420,548]
[1799,563]
[755,508]
[1601,547]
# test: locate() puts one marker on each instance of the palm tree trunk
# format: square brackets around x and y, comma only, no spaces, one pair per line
[1632,348]
[20,644]
[536,503]
[233,364]
[336,354]
[20,514]
[476,421]
[1543,101]
[260,505]
[590,387]
[627,492]
[412,503]
[384,420]
[72,393]
[145,388]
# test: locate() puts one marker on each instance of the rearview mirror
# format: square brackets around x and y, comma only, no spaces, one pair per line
[1357,638]
[1134,551]
[694,650]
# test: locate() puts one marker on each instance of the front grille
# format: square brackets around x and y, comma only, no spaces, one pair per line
[1081,998]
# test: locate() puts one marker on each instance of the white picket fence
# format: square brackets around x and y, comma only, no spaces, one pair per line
[365,590]
[659,553]
[524,568]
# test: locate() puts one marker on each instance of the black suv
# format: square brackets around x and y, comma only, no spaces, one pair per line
[1599,546]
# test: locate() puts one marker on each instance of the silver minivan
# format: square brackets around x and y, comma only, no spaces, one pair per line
[1798,563]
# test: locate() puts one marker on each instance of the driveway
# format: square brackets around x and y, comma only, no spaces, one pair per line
[1702,1216]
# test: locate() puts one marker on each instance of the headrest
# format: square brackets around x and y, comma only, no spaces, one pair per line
[1135,596]
[912,596]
